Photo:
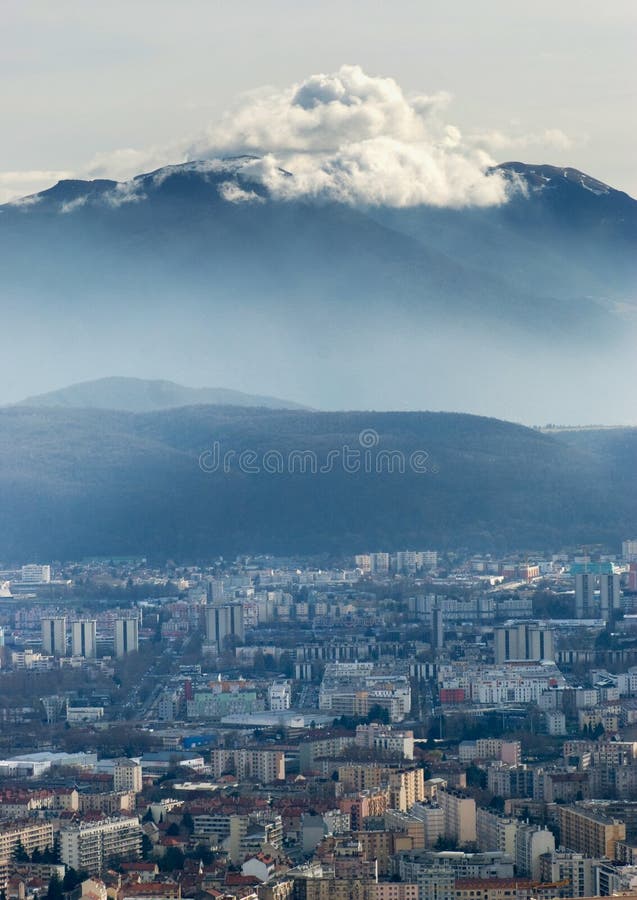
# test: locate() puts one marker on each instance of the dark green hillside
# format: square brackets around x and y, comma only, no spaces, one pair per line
[82,482]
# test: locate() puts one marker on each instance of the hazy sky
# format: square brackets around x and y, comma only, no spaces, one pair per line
[83,81]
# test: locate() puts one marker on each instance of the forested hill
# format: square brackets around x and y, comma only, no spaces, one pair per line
[84,482]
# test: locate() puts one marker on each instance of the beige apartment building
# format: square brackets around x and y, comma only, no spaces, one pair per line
[406,786]
[31,835]
[127,775]
[589,832]
[389,890]
[460,816]
[311,888]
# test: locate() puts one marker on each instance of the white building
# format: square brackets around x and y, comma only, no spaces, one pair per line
[433,819]
[629,551]
[92,846]
[531,843]
[385,739]
[279,695]
[84,638]
[353,688]
[75,715]
[246,763]
[555,722]
[34,574]
[509,683]
[35,764]
[29,659]
[523,641]
[54,636]
[126,638]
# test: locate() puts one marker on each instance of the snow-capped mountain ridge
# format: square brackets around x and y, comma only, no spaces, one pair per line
[245,172]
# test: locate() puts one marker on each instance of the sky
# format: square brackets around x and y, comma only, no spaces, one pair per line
[111,89]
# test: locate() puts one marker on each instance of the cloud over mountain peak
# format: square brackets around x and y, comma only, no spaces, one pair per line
[355,138]
[347,135]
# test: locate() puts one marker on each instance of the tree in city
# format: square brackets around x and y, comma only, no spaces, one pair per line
[378,714]
[445,843]
[147,846]
[55,890]
[172,860]
[476,777]
[20,854]
[73,878]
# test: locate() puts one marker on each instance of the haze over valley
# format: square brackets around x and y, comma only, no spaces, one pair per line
[388,264]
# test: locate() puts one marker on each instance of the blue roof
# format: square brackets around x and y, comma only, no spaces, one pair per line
[600,568]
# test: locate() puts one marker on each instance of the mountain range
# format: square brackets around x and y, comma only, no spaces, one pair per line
[524,310]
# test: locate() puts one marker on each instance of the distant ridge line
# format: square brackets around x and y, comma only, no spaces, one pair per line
[148,395]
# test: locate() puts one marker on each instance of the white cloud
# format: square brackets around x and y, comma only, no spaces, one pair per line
[321,115]
[72,205]
[233,193]
[125,192]
[358,139]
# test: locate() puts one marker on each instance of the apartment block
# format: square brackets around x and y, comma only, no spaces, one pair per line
[523,641]
[384,739]
[510,781]
[577,870]
[391,890]
[37,835]
[126,636]
[127,775]
[364,805]
[250,833]
[433,818]
[224,626]
[435,881]
[460,816]
[495,832]
[589,832]
[54,635]
[84,638]
[531,845]
[92,846]
[406,787]
[509,752]
[261,765]
[279,696]
[35,574]
[395,820]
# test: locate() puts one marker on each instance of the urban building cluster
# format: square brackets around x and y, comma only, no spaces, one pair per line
[408,725]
